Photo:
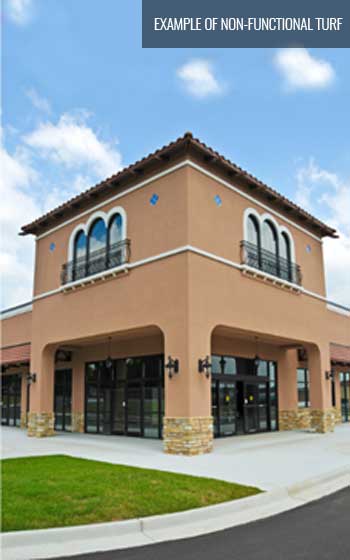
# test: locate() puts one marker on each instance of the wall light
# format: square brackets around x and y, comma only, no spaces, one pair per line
[31,378]
[172,366]
[204,366]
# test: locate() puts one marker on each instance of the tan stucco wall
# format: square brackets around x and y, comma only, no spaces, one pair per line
[16,330]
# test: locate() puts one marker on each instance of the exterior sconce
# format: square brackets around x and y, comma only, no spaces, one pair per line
[31,378]
[204,366]
[108,360]
[172,366]
[257,358]
[329,375]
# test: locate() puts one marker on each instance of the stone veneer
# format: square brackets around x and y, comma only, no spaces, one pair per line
[307,418]
[337,415]
[23,420]
[78,422]
[188,435]
[40,424]
[323,420]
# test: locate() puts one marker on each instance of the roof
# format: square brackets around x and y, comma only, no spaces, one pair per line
[19,354]
[340,354]
[185,146]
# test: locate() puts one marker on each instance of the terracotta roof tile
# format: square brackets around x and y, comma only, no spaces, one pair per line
[15,354]
[340,354]
[162,156]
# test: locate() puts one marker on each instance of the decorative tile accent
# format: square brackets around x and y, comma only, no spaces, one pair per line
[154,199]
[52,247]
[218,200]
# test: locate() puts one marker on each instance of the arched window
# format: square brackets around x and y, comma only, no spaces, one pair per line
[97,242]
[79,255]
[286,258]
[253,232]
[115,230]
[269,244]
[115,235]
[97,236]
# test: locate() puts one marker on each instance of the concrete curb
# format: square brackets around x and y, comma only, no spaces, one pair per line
[52,543]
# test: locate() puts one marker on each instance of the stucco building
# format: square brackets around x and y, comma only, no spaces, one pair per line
[182,299]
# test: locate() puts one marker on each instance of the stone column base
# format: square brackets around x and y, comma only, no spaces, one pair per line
[188,436]
[298,419]
[337,416]
[78,422]
[23,420]
[323,420]
[40,424]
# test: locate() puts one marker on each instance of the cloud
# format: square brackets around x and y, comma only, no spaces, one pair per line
[50,165]
[19,11]
[300,70]
[38,102]
[197,77]
[326,194]
[72,143]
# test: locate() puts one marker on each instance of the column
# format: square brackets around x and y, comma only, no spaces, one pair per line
[78,392]
[287,390]
[322,413]
[188,424]
[41,414]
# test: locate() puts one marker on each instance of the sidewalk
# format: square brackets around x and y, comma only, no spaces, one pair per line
[269,461]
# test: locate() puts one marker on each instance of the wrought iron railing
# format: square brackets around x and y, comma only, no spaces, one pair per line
[268,262]
[96,261]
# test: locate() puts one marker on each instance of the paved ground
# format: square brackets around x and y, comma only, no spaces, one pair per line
[318,531]
[269,461]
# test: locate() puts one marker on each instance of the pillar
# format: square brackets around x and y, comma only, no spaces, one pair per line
[24,418]
[288,412]
[78,392]
[188,424]
[41,414]
[322,412]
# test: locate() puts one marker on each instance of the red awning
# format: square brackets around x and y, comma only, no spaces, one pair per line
[19,354]
[340,354]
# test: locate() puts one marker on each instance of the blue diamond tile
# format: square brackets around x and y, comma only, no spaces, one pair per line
[154,199]
[218,200]
[52,247]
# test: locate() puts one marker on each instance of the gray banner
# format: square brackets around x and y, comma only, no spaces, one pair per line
[245,23]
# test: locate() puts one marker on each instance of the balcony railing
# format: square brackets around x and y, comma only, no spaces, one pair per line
[268,262]
[97,261]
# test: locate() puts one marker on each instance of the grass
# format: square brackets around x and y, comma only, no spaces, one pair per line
[58,491]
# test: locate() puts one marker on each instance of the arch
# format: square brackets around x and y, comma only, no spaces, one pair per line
[249,213]
[97,235]
[253,230]
[269,236]
[285,231]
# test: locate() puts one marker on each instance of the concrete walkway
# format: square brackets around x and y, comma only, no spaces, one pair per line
[269,461]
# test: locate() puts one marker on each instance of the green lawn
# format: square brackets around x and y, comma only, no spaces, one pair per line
[57,491]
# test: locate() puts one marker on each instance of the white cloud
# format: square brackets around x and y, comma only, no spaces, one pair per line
[38,102]
[301,70]
[199,80]
[70,142]
[50,165]
[19,11]
[328,195]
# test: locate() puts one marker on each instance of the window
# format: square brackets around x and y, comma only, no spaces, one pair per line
[286,259]
[79,255]
[253,232]
[115,230]
[303,387]
[97,236]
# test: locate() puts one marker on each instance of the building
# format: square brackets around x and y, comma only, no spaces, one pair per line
[181,298]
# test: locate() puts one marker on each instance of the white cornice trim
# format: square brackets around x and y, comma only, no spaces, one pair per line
[17,310]
[183,163]
[197,251]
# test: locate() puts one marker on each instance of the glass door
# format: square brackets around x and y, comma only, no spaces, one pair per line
[345,396]
[251,403]
[63,400]
[227,409]
[11,400]
[133,409]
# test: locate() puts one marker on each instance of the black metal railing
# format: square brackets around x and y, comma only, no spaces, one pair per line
[96,261]
[268,262]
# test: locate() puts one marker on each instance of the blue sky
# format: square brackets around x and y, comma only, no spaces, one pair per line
[81,98]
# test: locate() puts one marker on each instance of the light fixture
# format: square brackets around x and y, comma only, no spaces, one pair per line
[257,358]
[108,360]
[172,366]
[204,366]
[31,378]
[329,375]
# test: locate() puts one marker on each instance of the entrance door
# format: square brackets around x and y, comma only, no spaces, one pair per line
[256,407]
[345,396]
[11,400]
[133,409]
[224,408]
[63,400]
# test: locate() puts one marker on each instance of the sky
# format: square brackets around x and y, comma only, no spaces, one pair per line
[82,99]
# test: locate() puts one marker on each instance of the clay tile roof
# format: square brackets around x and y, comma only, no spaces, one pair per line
[15,354]
[340,354]
[185,145]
